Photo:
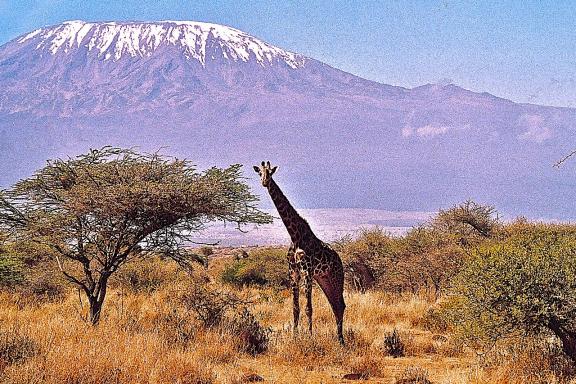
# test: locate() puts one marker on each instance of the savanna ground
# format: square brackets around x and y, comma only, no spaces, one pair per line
[151,332]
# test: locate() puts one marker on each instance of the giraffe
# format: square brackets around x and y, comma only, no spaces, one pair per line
[308,257]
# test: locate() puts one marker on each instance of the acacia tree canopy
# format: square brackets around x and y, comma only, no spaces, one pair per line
[102,208]
[468,221]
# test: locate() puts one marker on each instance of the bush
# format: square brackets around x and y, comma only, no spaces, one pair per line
[434,320]
[523,285]
[46,285]
[26,269]
[11,270]
[368,258]
[266,266]
[413,375]
[528,360]
[393,344]
[469,222]
[174,325]
[252,337]
[424,259]
[146,275]
[210,304]
[206,251]
[15,347]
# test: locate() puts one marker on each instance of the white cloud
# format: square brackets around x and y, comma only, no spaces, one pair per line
[536,128]
[430,130]
[407,131]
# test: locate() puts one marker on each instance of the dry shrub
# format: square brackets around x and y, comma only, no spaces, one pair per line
[418,344]
[413,375]
[15,347]
[210,304]
[301,349]
[408,309]
[215,346]
[393,344]
[41,286]
[365,366]
[434,320]
[528,360]
[180,369]
[252,378]
[356,341]
[175,326]
[251,336]
[447,346]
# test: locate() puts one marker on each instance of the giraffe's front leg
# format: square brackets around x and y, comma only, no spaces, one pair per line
[295,282]
[295,286]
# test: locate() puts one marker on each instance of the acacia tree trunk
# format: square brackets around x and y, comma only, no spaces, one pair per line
[96,300]
[567,337]
[95,310]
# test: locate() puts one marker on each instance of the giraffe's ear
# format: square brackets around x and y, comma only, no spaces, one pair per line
[273,170]
[257,169]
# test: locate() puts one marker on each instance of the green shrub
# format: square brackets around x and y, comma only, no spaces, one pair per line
[146,275]
[11,270]
[525,285]
[367,259]
[266,266]
[469,222]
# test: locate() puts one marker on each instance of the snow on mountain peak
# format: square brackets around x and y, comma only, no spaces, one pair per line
[114,40]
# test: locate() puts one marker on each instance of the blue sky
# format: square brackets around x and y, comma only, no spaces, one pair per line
[521,50]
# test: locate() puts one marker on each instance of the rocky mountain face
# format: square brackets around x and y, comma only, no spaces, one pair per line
[217,95]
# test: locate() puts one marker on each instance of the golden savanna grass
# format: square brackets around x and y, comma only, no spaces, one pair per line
[149,337]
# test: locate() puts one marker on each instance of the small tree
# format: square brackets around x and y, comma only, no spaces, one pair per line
[523,286]
[469,221]
[100,209]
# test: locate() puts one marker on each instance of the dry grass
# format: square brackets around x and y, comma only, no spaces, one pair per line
[148,336]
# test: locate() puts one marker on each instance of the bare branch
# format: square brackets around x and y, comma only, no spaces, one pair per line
[562,160]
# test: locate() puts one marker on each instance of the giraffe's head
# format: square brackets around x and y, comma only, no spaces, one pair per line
[265,171]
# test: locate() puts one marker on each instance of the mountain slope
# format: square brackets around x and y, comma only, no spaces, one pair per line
[218,95]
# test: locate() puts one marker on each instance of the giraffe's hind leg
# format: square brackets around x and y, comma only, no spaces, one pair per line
[333,289]
[308,289]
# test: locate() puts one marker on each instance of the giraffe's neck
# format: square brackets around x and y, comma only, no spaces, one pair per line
[298,229]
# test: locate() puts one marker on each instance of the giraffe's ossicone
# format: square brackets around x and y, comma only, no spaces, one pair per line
[309,258]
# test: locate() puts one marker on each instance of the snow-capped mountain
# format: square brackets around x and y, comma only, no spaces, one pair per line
[196,41]
[217,95]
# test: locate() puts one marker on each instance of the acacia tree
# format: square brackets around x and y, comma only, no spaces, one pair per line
[470,222]
[98,210]
[525,285]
